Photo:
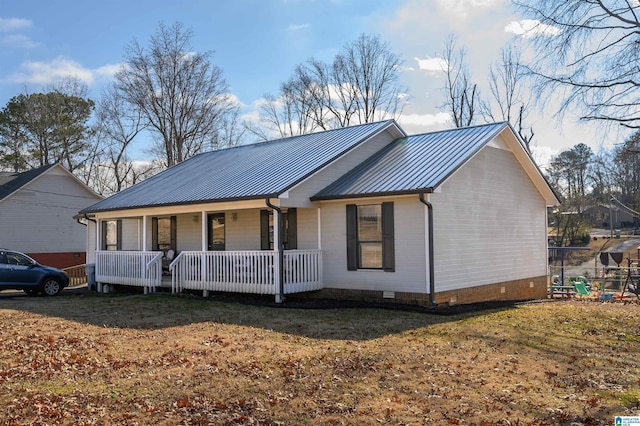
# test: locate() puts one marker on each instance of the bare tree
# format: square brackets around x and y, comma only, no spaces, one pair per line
[360,85]
[369,71]
[509,102]
[461,94]
[118,124]
[587,55]
[183,97]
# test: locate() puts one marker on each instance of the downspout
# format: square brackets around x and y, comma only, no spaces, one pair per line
[280,295]
[432,284]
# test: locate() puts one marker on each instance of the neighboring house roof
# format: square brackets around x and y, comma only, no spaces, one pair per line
[261,170]
[421,163]
[10,183]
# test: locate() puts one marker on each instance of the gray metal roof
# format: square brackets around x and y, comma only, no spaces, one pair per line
[253,171]
[412,164]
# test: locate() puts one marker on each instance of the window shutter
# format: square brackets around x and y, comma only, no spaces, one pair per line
[264,229]
[388,246]
[119,234]
[103,243]
[352,237]
[174,232]
[292,229]
[154,233]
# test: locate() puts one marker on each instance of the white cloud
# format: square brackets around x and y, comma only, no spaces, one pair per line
[420,123]
[59,68]
[529,28]
[17,41]
[432,65]
[298,27]
[464,8]
[108,70]
[543,155]
[14,24]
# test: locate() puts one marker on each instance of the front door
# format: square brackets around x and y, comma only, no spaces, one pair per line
[215,231]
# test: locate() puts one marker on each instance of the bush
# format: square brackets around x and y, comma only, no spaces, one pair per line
[581,238]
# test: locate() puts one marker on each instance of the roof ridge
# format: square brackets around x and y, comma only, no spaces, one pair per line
[294,137]
[455,129]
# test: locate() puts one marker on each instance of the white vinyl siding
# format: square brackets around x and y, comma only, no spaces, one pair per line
[489,224]
[299,195]
[38,218]
[307,229]
[131,236]
[244,232]
[409,234]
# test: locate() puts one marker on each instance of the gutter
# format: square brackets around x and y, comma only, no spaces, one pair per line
[280,295]
[78,217]
[432,284]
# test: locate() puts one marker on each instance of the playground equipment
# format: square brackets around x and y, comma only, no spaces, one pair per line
[632,281]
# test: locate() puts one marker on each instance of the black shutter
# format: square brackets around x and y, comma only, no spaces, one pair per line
[119,234]
[154,234]
[388,246]
[352,237]
[292,229]
[264,229]
[103,243]
[174,233]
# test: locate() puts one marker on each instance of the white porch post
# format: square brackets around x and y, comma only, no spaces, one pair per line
[144,233]
[319,229]
[277,247]
[205,247]
[204,231]
[98,236]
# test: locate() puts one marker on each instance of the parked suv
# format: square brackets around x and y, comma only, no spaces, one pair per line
[20,272]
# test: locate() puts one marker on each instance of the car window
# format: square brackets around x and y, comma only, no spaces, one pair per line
[18,259]
[3,258]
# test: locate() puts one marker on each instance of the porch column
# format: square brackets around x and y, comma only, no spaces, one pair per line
[144,233]
[277,247]
[319,229]
[204,231]
[98,246]
[98,229]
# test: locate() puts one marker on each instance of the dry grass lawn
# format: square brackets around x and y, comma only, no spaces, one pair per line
[158,359]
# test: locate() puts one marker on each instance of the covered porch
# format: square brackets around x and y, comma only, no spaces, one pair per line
[249,248]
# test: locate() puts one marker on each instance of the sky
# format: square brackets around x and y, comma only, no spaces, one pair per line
[258,43]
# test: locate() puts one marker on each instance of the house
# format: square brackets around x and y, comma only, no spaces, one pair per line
[36,214]
[599,215]
[367,212]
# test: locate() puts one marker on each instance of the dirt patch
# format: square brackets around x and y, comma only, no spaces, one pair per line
[158,359]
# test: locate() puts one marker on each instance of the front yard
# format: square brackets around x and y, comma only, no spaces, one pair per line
[185,360]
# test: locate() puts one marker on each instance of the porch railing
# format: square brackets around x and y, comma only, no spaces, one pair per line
[134,268]
[302,270]
[246,271]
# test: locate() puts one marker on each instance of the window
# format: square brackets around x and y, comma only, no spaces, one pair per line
[111,235]
[163,233]
[370,237]
[18,259]
[216,231]
[290,238]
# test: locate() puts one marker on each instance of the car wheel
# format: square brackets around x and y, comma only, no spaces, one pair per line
[32,292]
[51,287]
